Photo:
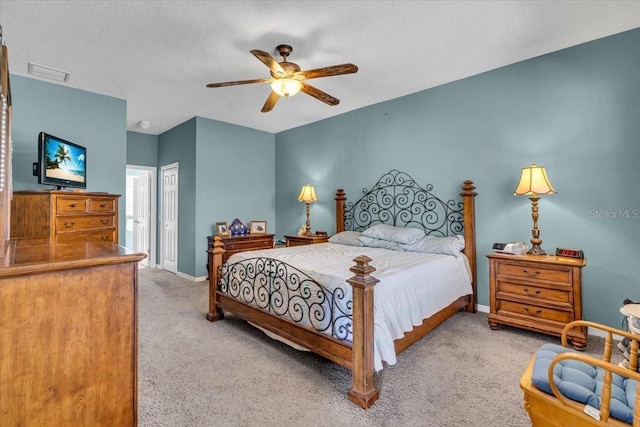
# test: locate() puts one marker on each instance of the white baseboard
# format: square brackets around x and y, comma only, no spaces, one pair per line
[191,278]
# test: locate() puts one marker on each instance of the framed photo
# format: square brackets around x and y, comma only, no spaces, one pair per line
[222,228]
[258,227]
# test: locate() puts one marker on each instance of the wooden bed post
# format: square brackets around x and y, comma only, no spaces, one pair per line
[340,200]
[215,262]
[363,391]
[469,210]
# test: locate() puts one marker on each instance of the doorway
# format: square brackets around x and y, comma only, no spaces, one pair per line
[140,203]
[169,232]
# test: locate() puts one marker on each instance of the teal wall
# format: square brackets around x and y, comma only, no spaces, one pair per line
[575,111]
[94,121]
[225,172]
[178,145]
[142,149]
[235,179]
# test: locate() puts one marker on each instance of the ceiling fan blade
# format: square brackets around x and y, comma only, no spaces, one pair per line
[269,61]
[334,70]
[239,82]
[318,94]
[271,102]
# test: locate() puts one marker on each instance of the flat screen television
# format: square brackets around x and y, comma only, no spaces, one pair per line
[60,163]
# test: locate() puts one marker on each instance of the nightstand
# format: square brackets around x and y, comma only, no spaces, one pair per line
[541,293]
[305,240]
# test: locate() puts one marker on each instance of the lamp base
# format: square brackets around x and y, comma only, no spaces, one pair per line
[536,250]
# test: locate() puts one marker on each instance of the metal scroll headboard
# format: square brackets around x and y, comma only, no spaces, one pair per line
[396,199]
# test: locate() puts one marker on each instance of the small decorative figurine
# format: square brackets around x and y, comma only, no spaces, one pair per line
[303,230]
[238,228]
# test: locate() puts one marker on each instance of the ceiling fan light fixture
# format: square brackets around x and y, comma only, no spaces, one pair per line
[286,87]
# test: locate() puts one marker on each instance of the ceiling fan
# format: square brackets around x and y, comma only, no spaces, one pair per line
[287,79]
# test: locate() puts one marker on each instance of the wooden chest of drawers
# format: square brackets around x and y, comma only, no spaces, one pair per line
[248,242]
[540,293]
[64,216]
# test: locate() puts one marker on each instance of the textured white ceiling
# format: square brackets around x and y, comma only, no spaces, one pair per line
[159,55]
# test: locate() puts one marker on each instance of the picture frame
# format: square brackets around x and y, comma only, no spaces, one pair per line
[258,227]
[222,228]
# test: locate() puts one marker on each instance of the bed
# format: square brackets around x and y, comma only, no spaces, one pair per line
[333,314]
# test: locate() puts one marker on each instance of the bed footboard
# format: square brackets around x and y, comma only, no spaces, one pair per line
[289,303]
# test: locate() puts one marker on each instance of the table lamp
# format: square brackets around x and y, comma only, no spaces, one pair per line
[308,195]
[534,182]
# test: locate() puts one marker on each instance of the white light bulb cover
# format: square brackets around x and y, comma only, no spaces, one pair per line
[286,87]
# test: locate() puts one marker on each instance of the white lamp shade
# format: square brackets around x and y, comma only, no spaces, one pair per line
[286,87]
[533,181]
[307,194]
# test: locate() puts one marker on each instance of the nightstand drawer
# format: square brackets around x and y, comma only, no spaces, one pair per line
[249,245]
[534,311]
[531,271]
[553,295]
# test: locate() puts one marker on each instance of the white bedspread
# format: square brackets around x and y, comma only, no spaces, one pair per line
[412,287]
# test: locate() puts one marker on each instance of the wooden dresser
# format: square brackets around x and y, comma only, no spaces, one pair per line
[541,293]
[247,242]
[68,335]
[64,216]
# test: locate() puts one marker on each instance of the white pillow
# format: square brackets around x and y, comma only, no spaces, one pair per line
[404,235]
[346,238]
[452,245]
[379,243]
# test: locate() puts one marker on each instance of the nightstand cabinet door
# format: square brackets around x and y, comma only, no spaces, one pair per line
[537,292]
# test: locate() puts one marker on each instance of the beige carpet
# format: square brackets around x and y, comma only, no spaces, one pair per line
[196,373]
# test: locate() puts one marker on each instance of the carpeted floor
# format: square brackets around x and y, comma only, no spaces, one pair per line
[196,373]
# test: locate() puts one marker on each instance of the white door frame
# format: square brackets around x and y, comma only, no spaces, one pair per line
[162,232]
[153,198]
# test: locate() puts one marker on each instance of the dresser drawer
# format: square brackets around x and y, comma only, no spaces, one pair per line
[537,272]
[69,224]
[71,204]
[248,245]
[103,236]
[101,205]
[557,294]
[533,311]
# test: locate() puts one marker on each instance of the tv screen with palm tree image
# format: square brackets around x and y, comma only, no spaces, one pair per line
[61,163]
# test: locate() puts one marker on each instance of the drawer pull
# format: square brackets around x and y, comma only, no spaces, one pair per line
[104,221]
[103,205]
[69,224]
[74,205]
[535,293]
[526,271]
[104,237]
[537,312]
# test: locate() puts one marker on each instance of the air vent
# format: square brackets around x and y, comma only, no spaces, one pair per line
[48,72]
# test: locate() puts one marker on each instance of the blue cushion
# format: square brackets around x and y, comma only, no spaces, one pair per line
[582,383]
